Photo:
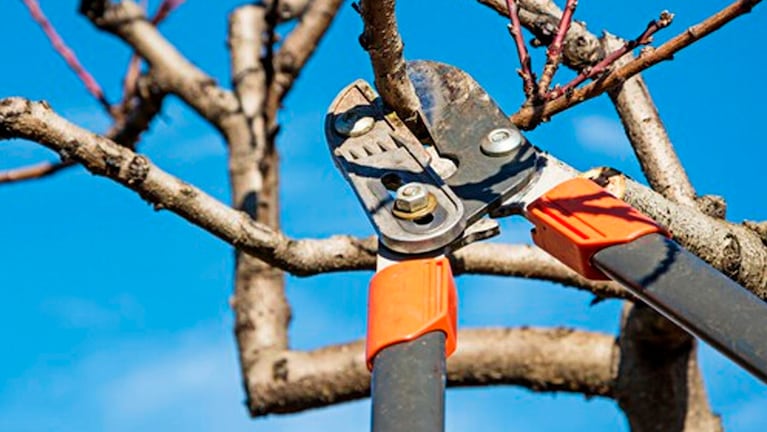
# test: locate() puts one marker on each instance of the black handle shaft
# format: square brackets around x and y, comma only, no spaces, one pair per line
[408,386]
[693,295]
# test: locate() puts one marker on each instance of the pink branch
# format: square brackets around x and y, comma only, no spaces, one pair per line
[515,29]
[645,38]
[554,52]
[69,56]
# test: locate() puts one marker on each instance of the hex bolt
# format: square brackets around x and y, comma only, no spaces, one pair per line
[353,123]
[413,200]
[501,142]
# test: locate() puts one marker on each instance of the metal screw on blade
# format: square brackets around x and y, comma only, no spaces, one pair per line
[353,123]
[413,201]
[501,142]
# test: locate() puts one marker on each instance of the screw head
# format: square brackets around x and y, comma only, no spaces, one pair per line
[353,123]
[501,142]
[413,200]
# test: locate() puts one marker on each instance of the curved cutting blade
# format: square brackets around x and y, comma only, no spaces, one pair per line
[460,117]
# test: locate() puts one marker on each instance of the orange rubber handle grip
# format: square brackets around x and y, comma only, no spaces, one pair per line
[577,218]
[409,299]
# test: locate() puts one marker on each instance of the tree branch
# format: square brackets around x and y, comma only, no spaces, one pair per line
[131,119]
[541,17]
[525,67]
[382,41]
[616,52]
[527,117]
[174,73]
[659,384]
[297,48]
[539,359]
[647,134]
[262,312]
[68,55]
[554,52]
[732,248]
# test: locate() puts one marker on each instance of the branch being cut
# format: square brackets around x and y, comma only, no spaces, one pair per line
[732,248]
[538,359]
[382,41]
[527,117]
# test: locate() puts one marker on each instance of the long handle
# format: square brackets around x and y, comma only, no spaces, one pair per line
[408,387]
[693,295]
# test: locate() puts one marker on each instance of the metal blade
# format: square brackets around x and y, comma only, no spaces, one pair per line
[463,121]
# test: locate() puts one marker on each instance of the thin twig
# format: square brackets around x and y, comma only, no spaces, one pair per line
[526,117]
[525,71]
[31,172]
[67,54]
[554,52]
[645,38]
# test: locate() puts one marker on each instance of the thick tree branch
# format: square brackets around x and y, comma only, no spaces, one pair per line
[262,312]
[733,248]
[297,48]
[382,41]
[528,117]
[659,372]
[174,73]
[131,119]
[648,135]
[659,375]
[539,359]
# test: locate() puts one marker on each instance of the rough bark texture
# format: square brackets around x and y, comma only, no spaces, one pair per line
[648,135]
[382,41]
[174,72]
[541,17]
[539,359]
[651,370]
[705,236]
[261,309]
[659,385]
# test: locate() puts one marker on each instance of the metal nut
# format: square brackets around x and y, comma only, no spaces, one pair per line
[413,201]
[353,123]
[501,142]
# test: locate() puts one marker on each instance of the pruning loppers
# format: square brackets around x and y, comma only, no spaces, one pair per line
[428,196]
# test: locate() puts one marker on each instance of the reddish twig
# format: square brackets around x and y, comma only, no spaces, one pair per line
[66,53]
[527,117]
[166,7]
[30,172]
[645,38]
[525,71]
[554,52]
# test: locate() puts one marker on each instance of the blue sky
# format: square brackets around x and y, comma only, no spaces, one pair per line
[116,317]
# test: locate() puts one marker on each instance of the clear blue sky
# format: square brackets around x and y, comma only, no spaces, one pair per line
[115,317]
